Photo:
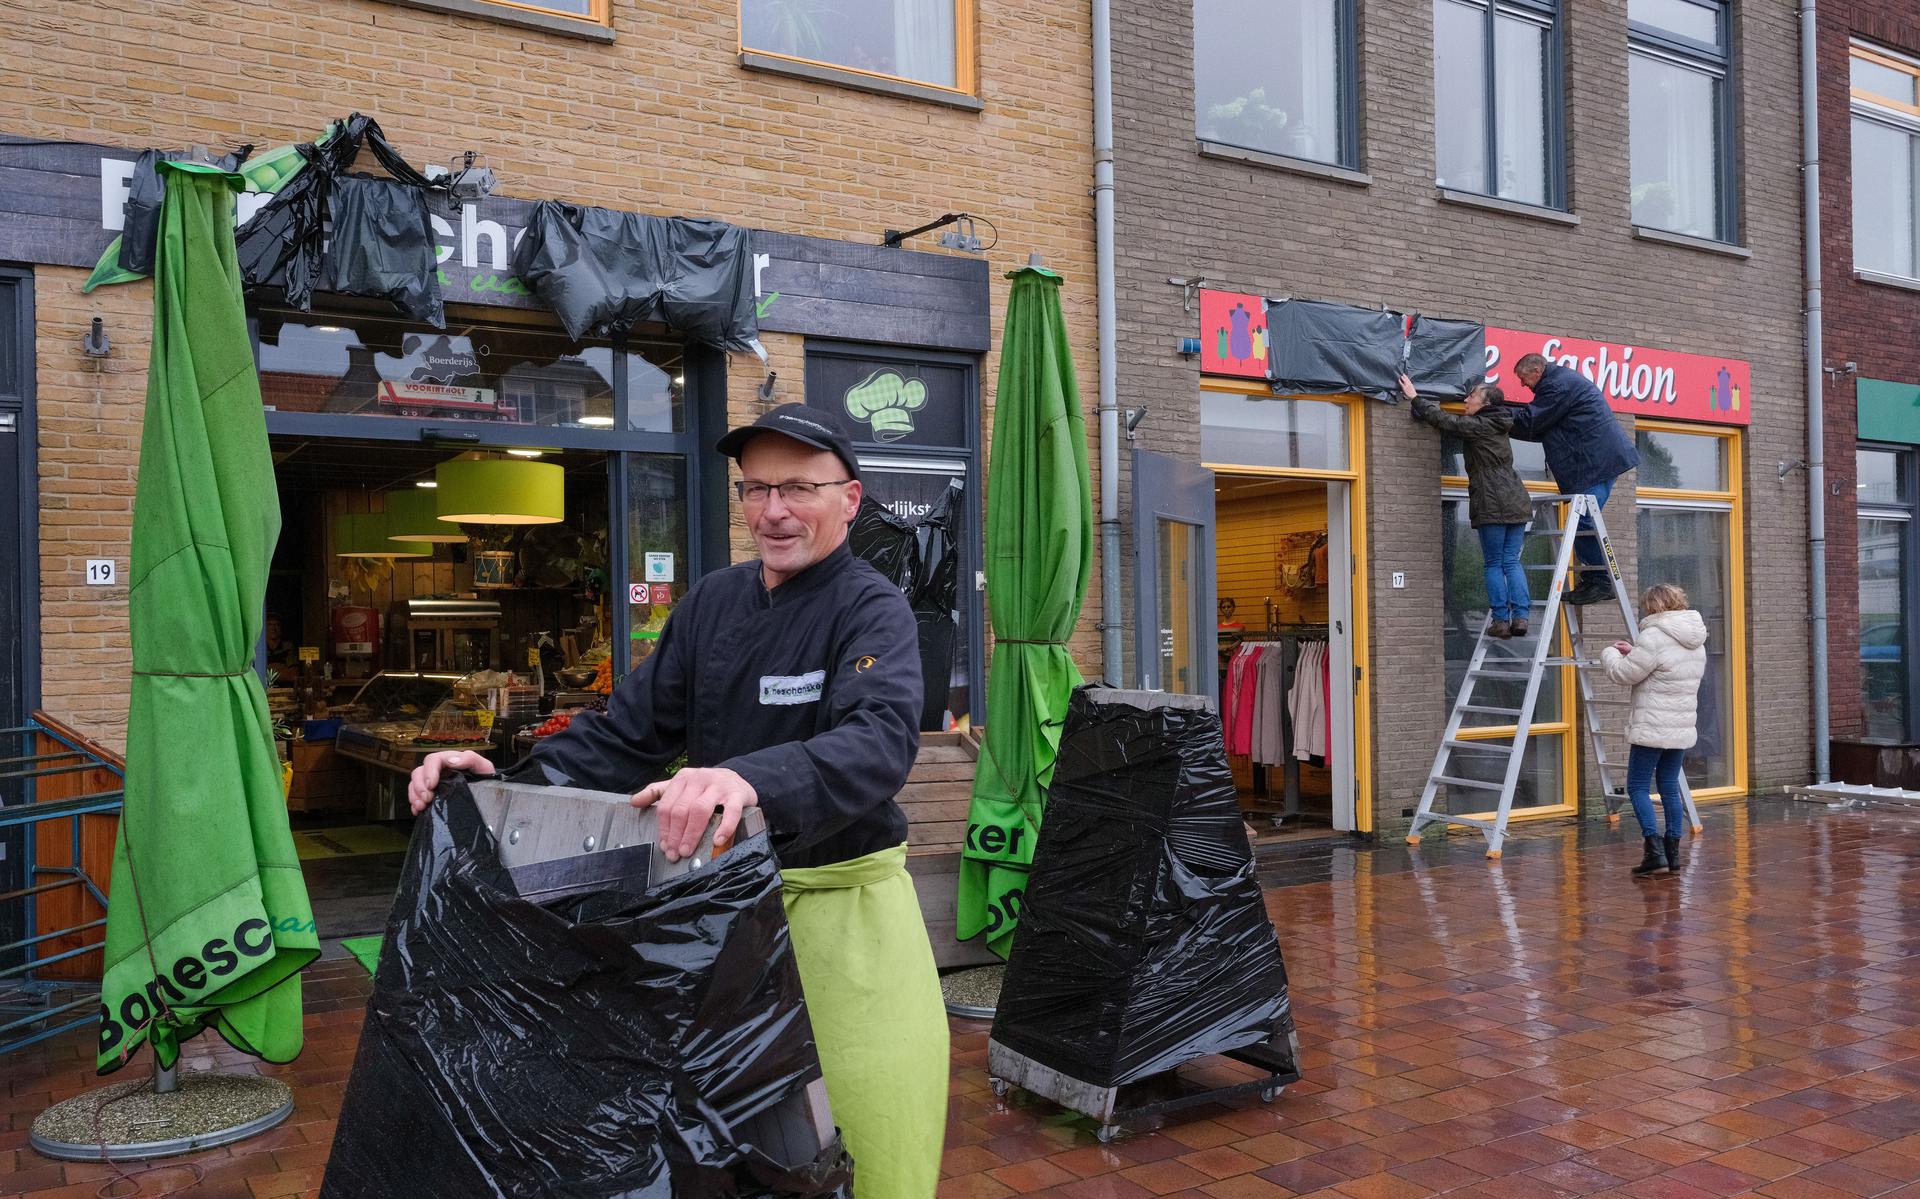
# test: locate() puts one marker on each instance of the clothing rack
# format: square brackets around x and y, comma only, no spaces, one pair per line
[1281,632]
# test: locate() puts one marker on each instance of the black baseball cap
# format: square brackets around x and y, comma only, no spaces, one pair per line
[810,426]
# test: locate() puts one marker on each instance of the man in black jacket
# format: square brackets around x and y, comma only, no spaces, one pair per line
[1586,451]
[792,684]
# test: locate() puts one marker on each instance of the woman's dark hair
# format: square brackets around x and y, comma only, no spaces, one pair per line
[1494,394]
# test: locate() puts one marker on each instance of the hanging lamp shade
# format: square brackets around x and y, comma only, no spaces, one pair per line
[364,535]
[414,515]
[500,491]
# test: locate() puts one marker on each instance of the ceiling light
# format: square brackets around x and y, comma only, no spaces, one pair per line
[679,379]
[501,491]
[598,422]
[427,483]
[364,535]
[526,453]
[326,328]
[415,516]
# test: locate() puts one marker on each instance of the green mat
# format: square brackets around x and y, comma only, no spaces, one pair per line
[365,950]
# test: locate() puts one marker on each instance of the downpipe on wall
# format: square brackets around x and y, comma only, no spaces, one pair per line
[1816,382]
[1112,653]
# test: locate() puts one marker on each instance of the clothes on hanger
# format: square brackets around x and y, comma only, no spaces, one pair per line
[1308,703]
[1270,689]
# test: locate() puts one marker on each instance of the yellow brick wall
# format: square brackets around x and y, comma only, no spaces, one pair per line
[661,120]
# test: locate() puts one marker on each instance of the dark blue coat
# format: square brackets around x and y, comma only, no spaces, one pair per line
[1569,417]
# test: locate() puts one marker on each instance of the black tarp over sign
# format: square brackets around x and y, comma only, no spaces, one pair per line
[1321,348]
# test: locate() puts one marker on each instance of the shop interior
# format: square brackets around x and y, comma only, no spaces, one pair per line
[384,647]
[1272,584]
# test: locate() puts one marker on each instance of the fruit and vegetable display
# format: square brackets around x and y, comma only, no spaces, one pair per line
[555,723]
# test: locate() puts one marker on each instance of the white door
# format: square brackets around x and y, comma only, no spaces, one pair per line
[1340,652]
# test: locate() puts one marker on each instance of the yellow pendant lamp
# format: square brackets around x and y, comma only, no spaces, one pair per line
[500,491]
[414,515]
[364,535]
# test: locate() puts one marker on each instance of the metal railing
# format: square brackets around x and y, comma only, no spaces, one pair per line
[35,758]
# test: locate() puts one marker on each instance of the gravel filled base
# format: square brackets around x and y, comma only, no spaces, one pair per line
[132,1122]
[973,993]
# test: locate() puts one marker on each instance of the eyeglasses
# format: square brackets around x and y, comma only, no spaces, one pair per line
[797,494]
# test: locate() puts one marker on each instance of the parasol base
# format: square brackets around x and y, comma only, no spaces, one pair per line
[130,1122]
[973,994]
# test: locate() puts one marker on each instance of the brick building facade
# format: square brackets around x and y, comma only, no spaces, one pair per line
[658,111]
[1372,228]
[1872,364]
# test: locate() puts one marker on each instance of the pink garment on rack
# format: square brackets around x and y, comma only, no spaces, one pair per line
[1242,739]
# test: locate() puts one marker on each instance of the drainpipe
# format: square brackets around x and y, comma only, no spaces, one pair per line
[1816,379]
[1112,653]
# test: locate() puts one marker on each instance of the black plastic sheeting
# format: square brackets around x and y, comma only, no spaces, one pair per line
[140,230]
[381,244]
[602,1044]
[602,272]
[923,560]
[1321,348]
[1144,942]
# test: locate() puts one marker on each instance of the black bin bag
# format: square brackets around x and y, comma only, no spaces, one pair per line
[1320,348]
[602,1043]
[382,247]
[923,560]
[1446,358]
[1144,941]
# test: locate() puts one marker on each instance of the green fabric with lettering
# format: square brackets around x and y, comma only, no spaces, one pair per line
[879,1023]
[1039,553]
[208,922]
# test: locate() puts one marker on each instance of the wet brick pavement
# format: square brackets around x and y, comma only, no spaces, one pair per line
[1538,1027]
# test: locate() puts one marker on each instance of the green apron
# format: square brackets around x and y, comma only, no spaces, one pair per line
[874,998]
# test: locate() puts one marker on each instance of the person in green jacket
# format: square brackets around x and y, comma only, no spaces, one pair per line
[1497,501]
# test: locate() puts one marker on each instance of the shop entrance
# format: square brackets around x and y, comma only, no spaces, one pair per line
[1283,571]
[375,661]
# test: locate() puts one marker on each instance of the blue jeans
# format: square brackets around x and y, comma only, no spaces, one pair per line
[1507,597]
[1587,549]
[1644,765]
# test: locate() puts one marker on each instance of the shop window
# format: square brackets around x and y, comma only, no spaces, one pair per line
[1239,429]
[1680,117]
[1886,557]
[1681,461]
[1497,106]
[1277,76]
[1529,458]
[1463,567]
[657,563]
[1886,133]
[358,364]
[920,41]
[1693,547]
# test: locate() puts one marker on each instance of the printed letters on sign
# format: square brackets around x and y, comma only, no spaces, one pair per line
[786,690]
[1636,380]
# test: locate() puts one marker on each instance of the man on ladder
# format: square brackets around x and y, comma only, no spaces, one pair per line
[1586,450]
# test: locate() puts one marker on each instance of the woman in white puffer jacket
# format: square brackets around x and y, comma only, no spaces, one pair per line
[1664,669]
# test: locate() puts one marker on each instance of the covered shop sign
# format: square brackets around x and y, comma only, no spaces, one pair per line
[1316,347]
[1636,380]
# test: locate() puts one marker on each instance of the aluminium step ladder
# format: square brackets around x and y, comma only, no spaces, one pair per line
[1488,666]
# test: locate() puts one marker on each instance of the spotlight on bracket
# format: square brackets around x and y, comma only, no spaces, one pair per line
[473,180]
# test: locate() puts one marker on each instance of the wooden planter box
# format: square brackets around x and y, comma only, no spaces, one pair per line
[936,799]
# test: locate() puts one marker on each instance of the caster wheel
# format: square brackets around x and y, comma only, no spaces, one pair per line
[1108,1134]
[1269,1094]
[1000,1087]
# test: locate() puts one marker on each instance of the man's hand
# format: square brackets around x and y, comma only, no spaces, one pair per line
[689,799]
[1407,389]
[426,776]
[1625,647]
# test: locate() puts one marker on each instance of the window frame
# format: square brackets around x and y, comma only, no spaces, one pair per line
[599,12]
[1718,61]
[966,73]
[1555,100]
[1901,118]
[1907,512]
[1346,34]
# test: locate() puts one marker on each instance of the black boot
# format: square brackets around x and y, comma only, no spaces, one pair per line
[1654,862]
[1673,853]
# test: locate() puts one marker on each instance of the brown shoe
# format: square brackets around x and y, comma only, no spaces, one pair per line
[1500,629]
[1518,628]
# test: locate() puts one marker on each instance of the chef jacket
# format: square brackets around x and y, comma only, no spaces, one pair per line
[810,691]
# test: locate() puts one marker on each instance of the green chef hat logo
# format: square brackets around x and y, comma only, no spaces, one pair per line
[886,401]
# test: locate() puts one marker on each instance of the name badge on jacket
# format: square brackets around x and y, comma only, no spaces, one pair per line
[792,689]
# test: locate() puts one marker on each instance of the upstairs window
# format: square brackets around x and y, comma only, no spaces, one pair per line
[1680,117]
[1496,99]
[1886,162]
[916,41]
[1277,76]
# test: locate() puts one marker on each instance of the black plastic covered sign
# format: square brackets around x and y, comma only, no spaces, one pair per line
[381,243]
[1321,348]
[923,560]
[608,1040]
[1144,942]
[602,272]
